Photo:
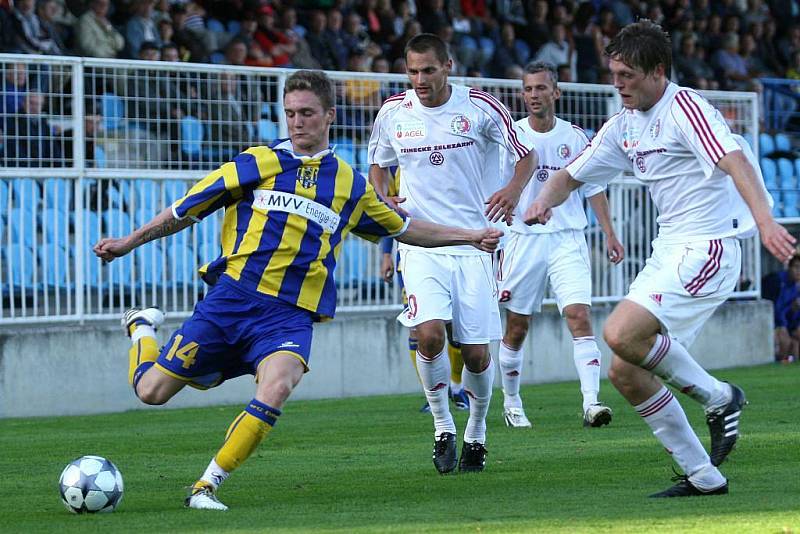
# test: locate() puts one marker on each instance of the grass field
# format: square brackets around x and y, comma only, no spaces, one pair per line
[363,465]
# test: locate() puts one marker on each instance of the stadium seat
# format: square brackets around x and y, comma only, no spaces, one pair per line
[749,138]
[215,26]
[783,143]
[2,229]
[362,156]
[91,269]
[770,171]
[55,226]
[234,26]
[118,275]
[55,267]
[786,173]
[208,239]
[191,137]
[118,193]
[58,194]
[23,226]
[113,112]
[777,210]
[267,130]
[4,207]
[18,268]
[99,157]
[173,190]
[149,266]
[345,150]
[791,203]
[147,195]
[351,268]
[182,268]
[91,228]
[766,145]
[218,58]
[117,223]
[26,193]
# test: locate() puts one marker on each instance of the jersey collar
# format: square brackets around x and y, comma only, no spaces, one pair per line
[285,145]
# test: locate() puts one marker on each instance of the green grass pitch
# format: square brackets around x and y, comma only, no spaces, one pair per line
[364,465]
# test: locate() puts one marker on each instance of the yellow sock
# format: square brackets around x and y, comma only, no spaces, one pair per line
[245,433]
[412,350]
[141,357]
[456,361]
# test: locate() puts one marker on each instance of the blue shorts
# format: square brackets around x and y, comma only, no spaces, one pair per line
[230,333]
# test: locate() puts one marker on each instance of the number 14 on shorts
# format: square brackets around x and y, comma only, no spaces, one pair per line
[186,353]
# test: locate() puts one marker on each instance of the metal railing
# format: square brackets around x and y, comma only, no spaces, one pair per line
[96,147]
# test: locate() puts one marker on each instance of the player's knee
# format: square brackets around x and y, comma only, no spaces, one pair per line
[516,331]
[151,394]
[577,318]
[619,377]
[614,335]
[430,343]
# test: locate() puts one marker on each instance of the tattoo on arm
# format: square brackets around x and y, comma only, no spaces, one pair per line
[168,227]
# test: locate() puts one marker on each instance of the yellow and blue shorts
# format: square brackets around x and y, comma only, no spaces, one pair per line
[231,332]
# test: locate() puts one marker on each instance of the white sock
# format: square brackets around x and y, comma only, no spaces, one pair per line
[142,330]
[214,474]
[456,387]
[479,389]
[511,367]
[665,416]
[672,362]
[587,363]
[435,375]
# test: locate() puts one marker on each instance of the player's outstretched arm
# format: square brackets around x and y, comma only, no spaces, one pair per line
[502,203]
[161,225]
[428,234]
[775,237]
[379,178]
[555,191]
[599,203]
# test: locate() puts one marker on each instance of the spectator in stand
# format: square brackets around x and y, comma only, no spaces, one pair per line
[402,15]
[301,58]
[793,72]
[273,41]
[356,36]
[623,14]
[538,26]
[30,36]
[691,67]
[588,43]
[94,33]
[749,52]
[509,51]
[49,12]
[380,65]
[170,52]
[335,36]
[433,15]
[188,40]
[701,10]
[30,140]
[712,36]
[558,50]
[13,89]
[372,20]
[459,55]
[257,56]
[783,288]
[141,28]
[230,116]
[789,45]
[765,45]
[511,11]
[318,43]
[731,66]
[289,21]
[236,52]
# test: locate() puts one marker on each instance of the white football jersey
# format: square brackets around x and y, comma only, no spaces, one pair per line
[555,149]
[445,154]
[673,148]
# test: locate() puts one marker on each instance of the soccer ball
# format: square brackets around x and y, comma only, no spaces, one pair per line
[90,484]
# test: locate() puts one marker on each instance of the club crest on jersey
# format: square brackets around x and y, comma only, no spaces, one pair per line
[655,129]
[630,139]
[460,124]
[307,176]
[640,164]
[436,158]
[542,175]
[564,152]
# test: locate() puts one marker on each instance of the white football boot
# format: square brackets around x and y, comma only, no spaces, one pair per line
[515,418]
[597,415]
[152,316]
[204,499]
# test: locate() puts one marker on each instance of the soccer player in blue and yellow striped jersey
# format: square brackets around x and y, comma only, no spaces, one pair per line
[288,207]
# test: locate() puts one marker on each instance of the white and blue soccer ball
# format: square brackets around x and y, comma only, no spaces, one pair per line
[91,484]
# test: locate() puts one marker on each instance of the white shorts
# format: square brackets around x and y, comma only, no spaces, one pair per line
[682,284]
[528,261]
[453,288]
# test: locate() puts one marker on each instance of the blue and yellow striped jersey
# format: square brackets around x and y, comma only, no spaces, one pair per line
[285,219]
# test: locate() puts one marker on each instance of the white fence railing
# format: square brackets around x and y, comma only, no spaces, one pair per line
[95,147]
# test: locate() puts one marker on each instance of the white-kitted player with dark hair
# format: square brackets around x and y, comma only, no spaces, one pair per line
[442,135]
[708,194]
[556,251]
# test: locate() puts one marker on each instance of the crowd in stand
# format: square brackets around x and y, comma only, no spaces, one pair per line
[722,44]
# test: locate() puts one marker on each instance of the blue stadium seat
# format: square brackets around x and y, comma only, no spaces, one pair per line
[18,268]
[23,226]
[118,193]
[173,190]
[55,226]
[55,265]
[770,171]
[91,268]
[766,144]
[117,223]
[749,138]
[149,266]
[118,273]
[783,143]
[786,173]
[234,26]
[4,207]
[91,228]
[352,265]
[217,58]
[58,194]
[113,111]
[797,167]
[791,203]
[148,200]
[267,130]
[215,26]
[362,157]
[26,193]
[191,137]
[777,210]
[99,157]
[345,150]
[182,259]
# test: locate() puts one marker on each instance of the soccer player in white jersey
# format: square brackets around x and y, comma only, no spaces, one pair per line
[556,250]
[441,135]
[708,194]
